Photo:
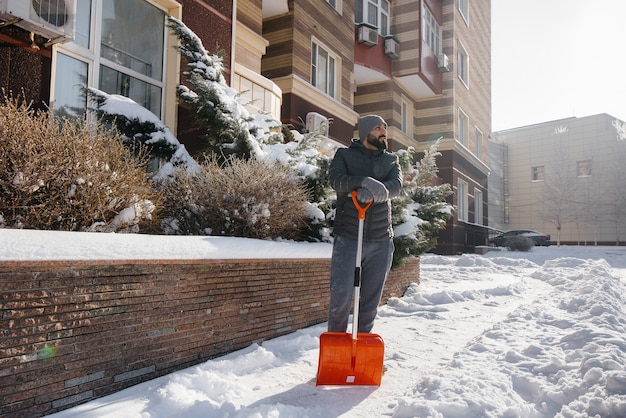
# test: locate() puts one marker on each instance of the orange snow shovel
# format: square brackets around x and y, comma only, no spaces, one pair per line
[357,358]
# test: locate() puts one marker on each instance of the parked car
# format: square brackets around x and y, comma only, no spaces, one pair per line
[539,238]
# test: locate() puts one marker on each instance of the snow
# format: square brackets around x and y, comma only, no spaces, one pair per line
[24,244]
[505,334]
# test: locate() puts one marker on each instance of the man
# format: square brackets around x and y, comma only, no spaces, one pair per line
[365,168]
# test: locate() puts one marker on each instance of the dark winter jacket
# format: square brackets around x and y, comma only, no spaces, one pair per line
[347,170]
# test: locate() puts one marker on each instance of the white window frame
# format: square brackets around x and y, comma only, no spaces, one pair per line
[583,168]
[330,71]
[91,55]
[462,200]
[463,6]
[431,30]
[336,4]
[478,142]
[478,206]
[406,116]
[537,173]
[463,127]
[462,64]
[376,13]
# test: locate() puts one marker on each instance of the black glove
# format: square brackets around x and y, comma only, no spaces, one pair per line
[376,188]
[363,195]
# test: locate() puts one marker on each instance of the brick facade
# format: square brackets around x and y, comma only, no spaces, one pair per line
[73,331]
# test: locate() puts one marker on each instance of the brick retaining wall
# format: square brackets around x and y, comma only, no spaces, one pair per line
[73,331]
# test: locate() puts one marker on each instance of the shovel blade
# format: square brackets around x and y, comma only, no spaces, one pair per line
[345,361]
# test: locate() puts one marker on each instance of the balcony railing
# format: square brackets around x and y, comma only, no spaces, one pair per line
[262,94]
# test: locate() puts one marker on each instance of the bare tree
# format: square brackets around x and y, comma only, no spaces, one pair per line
[559,189]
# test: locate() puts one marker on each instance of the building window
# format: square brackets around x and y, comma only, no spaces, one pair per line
[464,9]
[406,116]
[583,168]
[537,173]
[462,64]
[336,4]
[373,12]
[478,206]
[462,200]
[125,55]
[478,142]
[82,29]
[323,68]
[70,80]
[463,128]
[431,31]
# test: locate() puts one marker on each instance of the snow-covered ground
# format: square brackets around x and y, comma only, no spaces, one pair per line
[506,334]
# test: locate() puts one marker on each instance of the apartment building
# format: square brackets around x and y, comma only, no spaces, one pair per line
[423,65]
[562,177]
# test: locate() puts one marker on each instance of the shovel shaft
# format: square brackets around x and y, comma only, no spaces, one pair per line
[357,269]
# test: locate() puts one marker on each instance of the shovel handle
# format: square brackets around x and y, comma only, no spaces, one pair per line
[360,208]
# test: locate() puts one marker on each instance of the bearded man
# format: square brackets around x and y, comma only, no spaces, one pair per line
[367,169]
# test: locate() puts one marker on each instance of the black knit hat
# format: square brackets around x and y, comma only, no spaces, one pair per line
[367,123]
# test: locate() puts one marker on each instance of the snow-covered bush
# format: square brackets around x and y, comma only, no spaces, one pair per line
[62,174]
[244,198]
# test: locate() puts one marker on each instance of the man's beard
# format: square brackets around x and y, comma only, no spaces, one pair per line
[379,142]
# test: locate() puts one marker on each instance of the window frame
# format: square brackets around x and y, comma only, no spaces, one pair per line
[463,6]
[380,8]
[582,165]
[462,200]
[478,206]
[478,142]
[463,127]
[431,30]
[331,71]
[336,4]
[462,64]
[537,173]
[406,116]
[91,55]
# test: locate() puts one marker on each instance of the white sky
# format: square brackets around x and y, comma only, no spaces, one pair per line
[553,59]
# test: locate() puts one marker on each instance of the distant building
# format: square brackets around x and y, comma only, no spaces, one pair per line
[564,177]
[423,65]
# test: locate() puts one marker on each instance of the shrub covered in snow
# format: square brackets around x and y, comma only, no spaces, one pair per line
[62,174]
[244,198]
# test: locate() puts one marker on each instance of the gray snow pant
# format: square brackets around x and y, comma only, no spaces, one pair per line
[375,264]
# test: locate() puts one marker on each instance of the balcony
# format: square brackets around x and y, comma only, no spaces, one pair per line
[371,64]
[263,95]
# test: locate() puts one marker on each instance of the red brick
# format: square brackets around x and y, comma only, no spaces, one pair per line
[124,316]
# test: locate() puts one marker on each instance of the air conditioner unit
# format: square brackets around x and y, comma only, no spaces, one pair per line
[443,63]
[317,123]
[368,35]
[51,19]
[392,47]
